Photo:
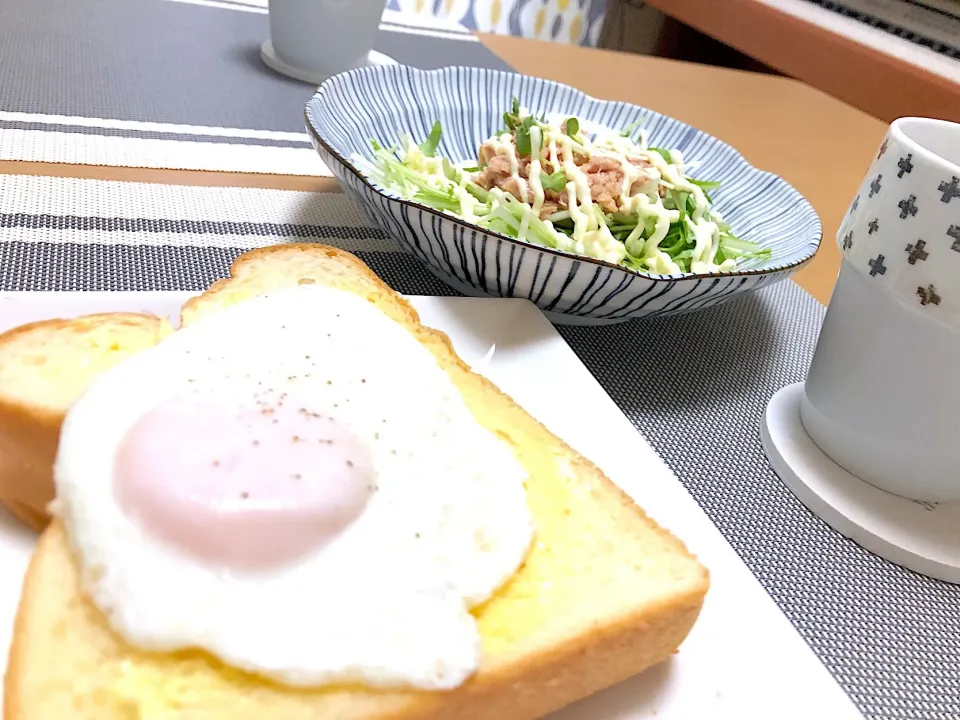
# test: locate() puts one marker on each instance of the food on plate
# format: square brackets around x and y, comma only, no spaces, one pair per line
[598,193]
[44,366]
[303,504]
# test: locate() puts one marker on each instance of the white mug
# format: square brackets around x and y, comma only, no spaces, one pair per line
[320,38]
[882,397]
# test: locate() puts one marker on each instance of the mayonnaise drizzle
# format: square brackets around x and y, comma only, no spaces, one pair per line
[535,171]
[590,235]
[506,147]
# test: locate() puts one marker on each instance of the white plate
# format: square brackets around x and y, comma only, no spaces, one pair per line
[743,659]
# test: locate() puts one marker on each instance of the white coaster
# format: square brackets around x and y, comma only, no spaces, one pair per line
[917,535]
[273,61]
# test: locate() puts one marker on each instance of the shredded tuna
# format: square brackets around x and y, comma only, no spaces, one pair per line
[486,153]
[497,173]
[604,175]
[606,181]
[548,208]
[601,163]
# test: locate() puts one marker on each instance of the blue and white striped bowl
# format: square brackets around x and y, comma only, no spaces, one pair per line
[381,103]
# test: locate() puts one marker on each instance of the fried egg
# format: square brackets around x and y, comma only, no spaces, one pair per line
[294,485]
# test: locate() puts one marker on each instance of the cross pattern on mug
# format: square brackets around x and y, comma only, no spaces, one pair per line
[950,189]
[904,186]
[908,207]
[928,295]
[877,267]
[916,252]
[905,165]
[954,232]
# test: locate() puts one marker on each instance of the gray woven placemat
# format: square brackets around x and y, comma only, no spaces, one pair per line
[164,61]
[102,81]
[695,386]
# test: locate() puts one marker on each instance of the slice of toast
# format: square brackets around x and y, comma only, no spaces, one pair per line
[44,366]
[604,594]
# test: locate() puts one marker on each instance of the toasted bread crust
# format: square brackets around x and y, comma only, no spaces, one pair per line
[34,398]
[571,655]
[529,688]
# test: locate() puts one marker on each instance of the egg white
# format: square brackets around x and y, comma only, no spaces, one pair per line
[386,603]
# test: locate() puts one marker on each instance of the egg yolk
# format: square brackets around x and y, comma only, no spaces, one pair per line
[248,484]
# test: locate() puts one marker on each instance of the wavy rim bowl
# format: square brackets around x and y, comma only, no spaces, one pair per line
[813,244]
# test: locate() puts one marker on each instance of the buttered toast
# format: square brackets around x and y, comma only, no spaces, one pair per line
[603,594]
[44,366]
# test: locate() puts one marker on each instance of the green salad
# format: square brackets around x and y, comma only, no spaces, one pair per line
[605,195]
